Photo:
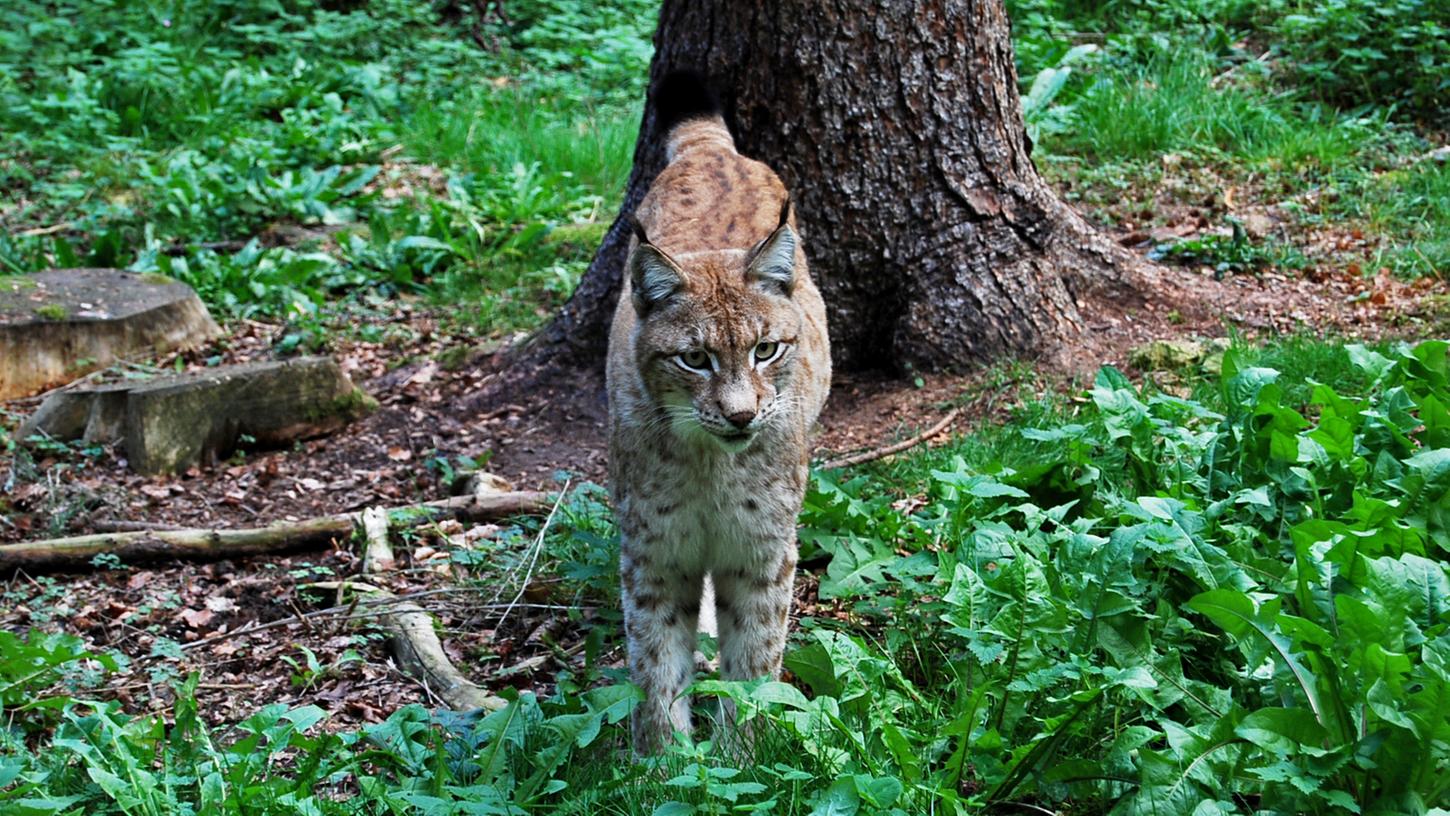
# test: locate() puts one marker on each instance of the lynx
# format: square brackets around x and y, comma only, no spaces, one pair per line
[718,367]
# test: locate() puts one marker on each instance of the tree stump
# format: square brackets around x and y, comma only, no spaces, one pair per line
[169,424]
[61,324]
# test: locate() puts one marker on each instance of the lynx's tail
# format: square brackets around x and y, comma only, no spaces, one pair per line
[689,114]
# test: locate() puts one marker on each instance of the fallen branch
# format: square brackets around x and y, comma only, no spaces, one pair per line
[377,552]
[151,545]
[420,653]
[125,526]
[357,610]
[415,643]
[898,447]
[34,232]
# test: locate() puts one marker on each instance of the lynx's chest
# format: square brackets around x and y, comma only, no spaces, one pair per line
[711,511]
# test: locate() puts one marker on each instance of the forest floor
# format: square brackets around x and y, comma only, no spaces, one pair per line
[427,422]
[413,197]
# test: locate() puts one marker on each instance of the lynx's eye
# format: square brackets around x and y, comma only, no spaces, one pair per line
[695,360]
[766,351]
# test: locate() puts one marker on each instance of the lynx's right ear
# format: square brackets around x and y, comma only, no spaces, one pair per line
[653,277]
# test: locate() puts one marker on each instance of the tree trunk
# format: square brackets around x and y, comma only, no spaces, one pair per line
[898,128]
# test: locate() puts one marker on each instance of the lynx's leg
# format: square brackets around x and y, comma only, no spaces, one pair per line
[752,607]
[660,615]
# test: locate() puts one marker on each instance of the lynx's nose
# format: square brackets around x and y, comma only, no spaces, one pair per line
[741,418]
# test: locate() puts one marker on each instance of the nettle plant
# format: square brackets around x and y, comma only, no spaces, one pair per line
[1166,610]
[1232,604]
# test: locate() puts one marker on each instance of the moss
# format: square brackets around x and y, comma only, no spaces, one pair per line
[51,311]
[157,278]
[454,357]
[354,404]
[16,282]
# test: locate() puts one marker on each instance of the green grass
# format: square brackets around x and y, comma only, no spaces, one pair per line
[1179,80]
[165,145]
[1352,54]
[1163,106]
[562,168]
[1170,103]
[1411,202]
[490,133]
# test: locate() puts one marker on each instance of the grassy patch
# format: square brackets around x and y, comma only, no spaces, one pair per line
[275,162]
[1353,54]
[1410,202]
[1125,97]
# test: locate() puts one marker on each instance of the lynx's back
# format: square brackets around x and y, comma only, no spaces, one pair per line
[718,366]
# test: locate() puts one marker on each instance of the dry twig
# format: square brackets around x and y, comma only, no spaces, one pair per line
[898,447]
[533,556]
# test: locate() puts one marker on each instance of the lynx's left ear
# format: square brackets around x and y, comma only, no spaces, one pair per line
[773,265]
[653,275]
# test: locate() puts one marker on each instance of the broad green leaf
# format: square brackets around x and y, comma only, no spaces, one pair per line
[1371,362]
[840,799]
[812,664]
[979,485]
[1282,730]
[1385,703]
[1411,585]
[855,567]
[1234,612]
[777,693]
[879,791]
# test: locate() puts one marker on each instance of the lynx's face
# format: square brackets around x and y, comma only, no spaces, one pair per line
[717,338]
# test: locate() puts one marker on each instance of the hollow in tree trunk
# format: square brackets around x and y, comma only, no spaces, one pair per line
[898,128]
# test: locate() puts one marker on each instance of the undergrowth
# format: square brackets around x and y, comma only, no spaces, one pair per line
[1232,601]
[1290,99]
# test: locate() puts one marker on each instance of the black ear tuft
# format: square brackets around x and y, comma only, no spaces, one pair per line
[784,212]
[682,95]
[638,230]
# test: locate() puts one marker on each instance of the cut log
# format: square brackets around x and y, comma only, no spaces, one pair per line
[77,551]
[61,324]
[168,424]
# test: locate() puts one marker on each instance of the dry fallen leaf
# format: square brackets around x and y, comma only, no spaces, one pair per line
[197,618]
[156,491]
[219,604]
[226,648]
[399,453]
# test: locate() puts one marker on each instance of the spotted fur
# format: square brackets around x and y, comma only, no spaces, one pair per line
[708,464]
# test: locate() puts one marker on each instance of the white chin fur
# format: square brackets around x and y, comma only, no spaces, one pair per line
[692,430]
[734,445]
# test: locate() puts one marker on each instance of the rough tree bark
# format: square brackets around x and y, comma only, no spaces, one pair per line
[898,127]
